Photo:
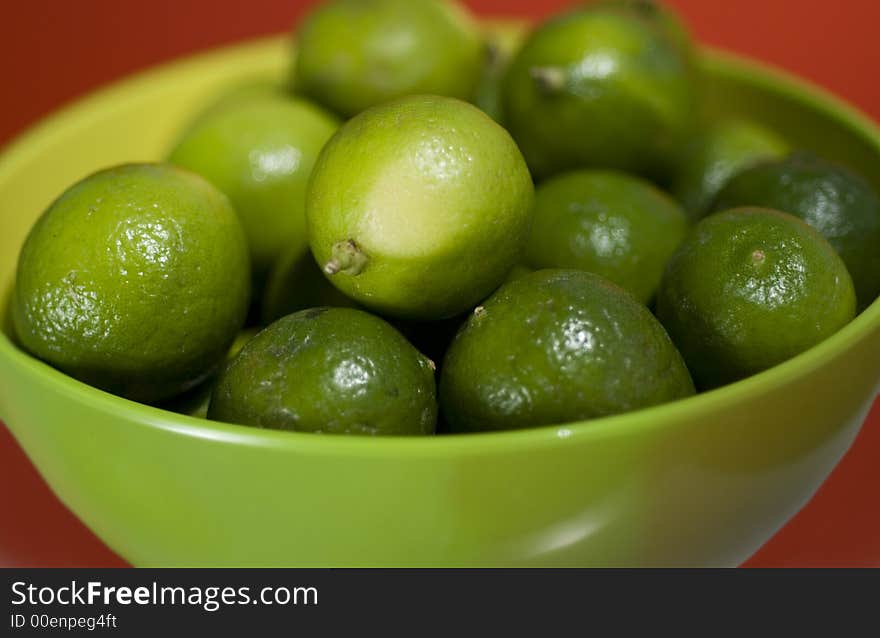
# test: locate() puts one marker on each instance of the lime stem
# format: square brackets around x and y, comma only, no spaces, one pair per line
[347,258]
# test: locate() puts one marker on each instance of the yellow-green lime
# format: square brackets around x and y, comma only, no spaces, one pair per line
[419,208]
[135,280]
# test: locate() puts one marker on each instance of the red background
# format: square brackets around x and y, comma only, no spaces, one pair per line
[51,52]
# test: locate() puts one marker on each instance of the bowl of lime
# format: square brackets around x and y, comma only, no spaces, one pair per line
[487,388]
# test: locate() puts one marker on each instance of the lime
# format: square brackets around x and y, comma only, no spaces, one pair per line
[599,88]
[331,370]
[557,346]
[259,149]
[830,198]
[418,208]
[716,155]
[297,283]
[751,288]
[500,45]
[354,54]
[612,224]
[135,281]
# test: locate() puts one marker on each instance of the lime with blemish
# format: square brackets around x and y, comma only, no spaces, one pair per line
[834,200]
[557,346]
[354,54]
[749,289]
[419,208]
[329,370]
[135,280]
[613,224]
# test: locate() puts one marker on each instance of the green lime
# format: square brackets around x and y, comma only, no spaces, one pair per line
[830,198]
[135,281]
[354,54]
[751,288]
[259,149]
[557,346]
[612,224]
[715,156]
[418,208]
[599,88]
[331,370]
[297,283]
[500,45]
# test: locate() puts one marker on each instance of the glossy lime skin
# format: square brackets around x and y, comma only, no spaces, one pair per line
[613,224]
[354,54]
[296,283]
[329,370]
[135,280]
[749,289]
[557,346]
[724,149]
[434,196]
[259,148]
[837,202]
[599,89]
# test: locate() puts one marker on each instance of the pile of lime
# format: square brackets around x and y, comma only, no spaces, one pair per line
[425,223]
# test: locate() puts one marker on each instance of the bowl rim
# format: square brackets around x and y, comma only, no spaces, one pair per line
[711,60]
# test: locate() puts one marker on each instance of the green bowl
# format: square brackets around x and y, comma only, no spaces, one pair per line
[703,481]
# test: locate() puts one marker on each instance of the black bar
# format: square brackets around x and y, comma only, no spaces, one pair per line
[249,602]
